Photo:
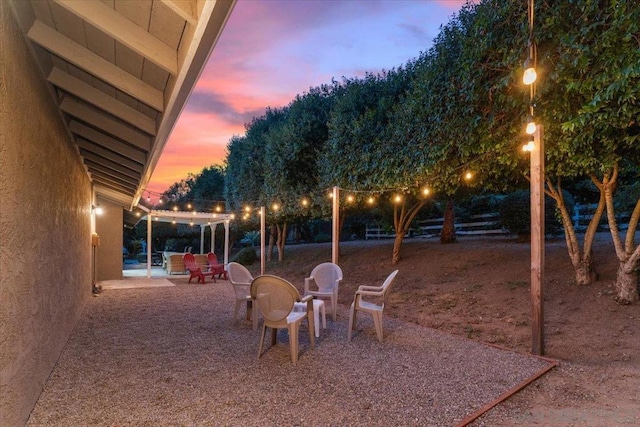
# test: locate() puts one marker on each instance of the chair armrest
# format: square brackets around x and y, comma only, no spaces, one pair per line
[377,292]
[307,282]
[369,288]
[306,298]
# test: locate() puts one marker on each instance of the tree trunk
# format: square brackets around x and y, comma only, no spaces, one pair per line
[401,221]
[626,284]
[282,238]
[448,233]
[272,240]
[583,264]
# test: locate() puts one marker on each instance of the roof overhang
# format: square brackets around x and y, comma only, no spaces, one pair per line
[121,73]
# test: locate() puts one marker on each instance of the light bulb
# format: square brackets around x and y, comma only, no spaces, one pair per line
[275,207]
[398,199]
[530,74]
[350,198]
[425,191]
[371,200]
[531,127]
[305,202]
[468,175]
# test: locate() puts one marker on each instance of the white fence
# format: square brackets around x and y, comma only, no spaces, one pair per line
[485,224]
[489,224]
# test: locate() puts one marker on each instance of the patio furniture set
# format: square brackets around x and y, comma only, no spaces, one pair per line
[281,305]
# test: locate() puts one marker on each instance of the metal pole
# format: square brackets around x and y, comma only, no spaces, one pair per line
[537,242]
[262,238]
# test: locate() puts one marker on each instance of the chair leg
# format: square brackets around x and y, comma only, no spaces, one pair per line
[377,321]
[274,336]
[334,307]
[352,321]
[264,331]
[293,341]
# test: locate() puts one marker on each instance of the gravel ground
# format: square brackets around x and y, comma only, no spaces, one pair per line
[173,356]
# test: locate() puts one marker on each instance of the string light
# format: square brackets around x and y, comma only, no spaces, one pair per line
[371,200]
[426,191]
[468,175]
[275,206]
[350,198]
[397,198]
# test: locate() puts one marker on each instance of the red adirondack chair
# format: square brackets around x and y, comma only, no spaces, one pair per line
[216,267]
[194,270]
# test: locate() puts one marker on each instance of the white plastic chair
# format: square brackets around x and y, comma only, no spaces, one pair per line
[375,310]
[326,277]
[240,278]
[275,298]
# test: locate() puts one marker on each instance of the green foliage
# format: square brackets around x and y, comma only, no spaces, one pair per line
[515,213]
[322,238]
[246,256]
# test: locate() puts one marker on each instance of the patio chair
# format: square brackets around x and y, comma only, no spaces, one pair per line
[240,278]
[194,270]
[275,298]
[326,277]
[382,293]
[216,267]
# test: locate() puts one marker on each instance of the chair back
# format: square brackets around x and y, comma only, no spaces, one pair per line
[212,258]
[325,276]
[238,274]
[386,286]
[274,296]
[190,262]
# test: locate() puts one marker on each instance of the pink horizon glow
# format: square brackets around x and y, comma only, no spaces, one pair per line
[270,51]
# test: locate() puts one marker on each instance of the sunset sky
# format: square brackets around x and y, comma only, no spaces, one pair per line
[271,50]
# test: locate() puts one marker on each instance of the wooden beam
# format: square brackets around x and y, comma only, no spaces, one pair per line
[537,242]
[109,125]
[185,9]
[110,155]
[85,91]
[109,163]
[95,169]
[115,196]
[108,171]
[125,31]
[108,142]
[110,184]
[94,64]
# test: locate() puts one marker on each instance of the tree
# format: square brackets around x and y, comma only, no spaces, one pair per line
[361,154]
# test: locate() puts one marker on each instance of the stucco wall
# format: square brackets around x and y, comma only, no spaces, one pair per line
[45,229]
[109,253]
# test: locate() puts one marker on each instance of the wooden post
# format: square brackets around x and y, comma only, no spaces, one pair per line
[537,242]
[335,238]
[149,245]
[262,238]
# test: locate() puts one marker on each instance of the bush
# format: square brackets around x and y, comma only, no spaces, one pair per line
[515,213]
[246,256]
[322,238]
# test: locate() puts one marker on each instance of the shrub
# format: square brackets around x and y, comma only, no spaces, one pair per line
[322,238]
[515,213]
[246,256]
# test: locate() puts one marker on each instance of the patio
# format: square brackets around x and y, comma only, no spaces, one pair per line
[174,356]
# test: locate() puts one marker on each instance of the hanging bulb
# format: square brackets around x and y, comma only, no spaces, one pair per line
[275,207]
[531,126]
[397,198]
[468,175]
[530,74]
[305,202]
[371,200]
[350,198]
[426,191]
[149,197]
[529,146]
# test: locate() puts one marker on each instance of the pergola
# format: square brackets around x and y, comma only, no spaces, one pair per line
[203,219]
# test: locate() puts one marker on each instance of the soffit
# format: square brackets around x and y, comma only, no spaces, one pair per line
[120,72]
